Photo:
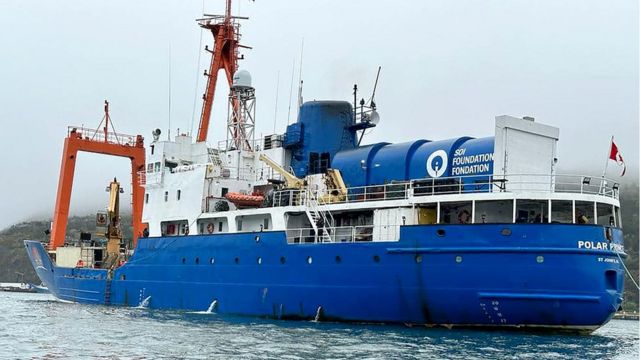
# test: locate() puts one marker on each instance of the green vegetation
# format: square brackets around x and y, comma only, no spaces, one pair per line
[13,258]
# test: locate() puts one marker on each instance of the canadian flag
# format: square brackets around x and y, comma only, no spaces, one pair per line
[614,155]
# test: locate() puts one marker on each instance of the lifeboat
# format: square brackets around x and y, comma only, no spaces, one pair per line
[244,201]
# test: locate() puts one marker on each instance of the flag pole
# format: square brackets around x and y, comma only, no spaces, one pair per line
[604,173]
[603,182]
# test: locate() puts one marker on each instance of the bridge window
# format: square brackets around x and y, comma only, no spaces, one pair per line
[562,211]
[584,212]
[605,214]
[497,211]
[532,211]
[455,212]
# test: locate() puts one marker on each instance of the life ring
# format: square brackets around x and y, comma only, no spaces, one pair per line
[464,216]
[210,228]
[80,263]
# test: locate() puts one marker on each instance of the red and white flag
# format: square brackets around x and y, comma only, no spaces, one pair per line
[614,155]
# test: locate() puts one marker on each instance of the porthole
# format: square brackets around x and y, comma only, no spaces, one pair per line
[338,259]
[506,232]
[259,260]
[212,261]
[309,260]
[283,260]
[418,259]
[440,232]
[376,258]
[237,260]
[184,261]
[197,261]
[458,259]
[540,259]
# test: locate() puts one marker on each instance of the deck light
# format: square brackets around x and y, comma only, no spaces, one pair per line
[586,180]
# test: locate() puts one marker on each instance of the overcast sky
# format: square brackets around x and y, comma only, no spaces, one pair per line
[448,68]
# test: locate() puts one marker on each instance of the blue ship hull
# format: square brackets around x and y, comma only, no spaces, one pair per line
[516,275]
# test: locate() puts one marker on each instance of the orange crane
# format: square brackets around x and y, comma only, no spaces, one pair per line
[225,56]
[99,141]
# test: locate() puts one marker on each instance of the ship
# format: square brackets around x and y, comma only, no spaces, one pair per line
[310,223]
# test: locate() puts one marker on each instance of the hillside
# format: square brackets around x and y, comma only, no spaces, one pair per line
[13,258]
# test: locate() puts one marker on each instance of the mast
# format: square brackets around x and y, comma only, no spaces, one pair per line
[225,55]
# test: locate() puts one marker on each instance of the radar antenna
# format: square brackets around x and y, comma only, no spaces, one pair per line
[367,117]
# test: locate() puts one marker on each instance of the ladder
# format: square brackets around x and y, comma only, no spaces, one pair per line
[107,292]
[322,222]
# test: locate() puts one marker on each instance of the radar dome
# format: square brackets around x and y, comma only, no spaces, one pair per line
[242,79]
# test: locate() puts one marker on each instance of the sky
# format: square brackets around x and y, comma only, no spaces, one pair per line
[448,68]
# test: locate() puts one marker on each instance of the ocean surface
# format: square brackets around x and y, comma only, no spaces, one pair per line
[36,326]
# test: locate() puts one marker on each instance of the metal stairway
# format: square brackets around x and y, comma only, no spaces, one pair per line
[322,222]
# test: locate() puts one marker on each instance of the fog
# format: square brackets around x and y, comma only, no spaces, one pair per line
[448,68]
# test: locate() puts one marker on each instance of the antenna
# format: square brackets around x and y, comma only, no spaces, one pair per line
[300,77]
[372,102]
[368,116]
[275,115]
[293,70]
[169,131]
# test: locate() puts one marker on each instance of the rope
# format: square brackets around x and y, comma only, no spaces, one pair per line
[627,271]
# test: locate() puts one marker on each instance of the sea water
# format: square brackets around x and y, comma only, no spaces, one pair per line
[38,326]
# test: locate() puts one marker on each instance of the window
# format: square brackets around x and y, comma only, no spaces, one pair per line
[605,214]
[157,166]
[150,168]
[178,193]
[532,211]
[455,212]
[562,211]
[266,223]
[239,224]
[166,196]
[584,212]
[220,226]
[616,211]
[146,198]
[497,211]
[224,191]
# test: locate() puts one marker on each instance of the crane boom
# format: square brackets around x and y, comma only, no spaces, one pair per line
[291,180]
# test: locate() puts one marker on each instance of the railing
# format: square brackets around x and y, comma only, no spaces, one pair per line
[99,135]
[575,184]
[335,234]
[149,178]
[274,141]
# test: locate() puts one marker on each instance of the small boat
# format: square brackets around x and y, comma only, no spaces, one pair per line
[243,200]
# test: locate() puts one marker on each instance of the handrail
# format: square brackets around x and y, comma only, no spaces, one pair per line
[99,135]
[470,184]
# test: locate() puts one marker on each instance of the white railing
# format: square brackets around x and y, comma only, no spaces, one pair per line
[335,234]
[99,135]
[575,184]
